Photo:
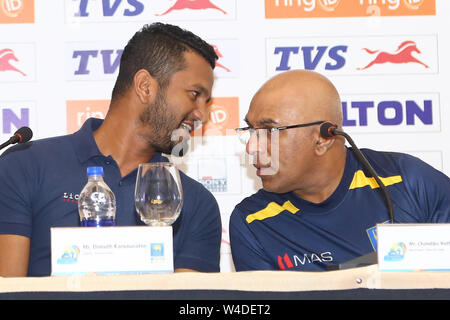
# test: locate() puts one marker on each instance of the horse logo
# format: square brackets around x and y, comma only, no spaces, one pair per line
[192,4]
[403,54]
[219,54]
[6,55]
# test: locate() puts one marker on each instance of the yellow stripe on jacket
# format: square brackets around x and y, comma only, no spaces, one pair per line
[271,210]
[360,180]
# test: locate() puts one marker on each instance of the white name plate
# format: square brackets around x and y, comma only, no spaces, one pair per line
[414,247]
[111,250]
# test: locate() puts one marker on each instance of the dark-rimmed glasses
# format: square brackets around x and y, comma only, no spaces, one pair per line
[246,133]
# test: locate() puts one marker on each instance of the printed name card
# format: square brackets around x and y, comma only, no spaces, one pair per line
[111,250]
[414,247]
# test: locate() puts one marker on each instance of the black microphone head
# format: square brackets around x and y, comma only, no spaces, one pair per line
[327,130]
[24,134]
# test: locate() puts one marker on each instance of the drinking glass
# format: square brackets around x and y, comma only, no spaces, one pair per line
[158,195]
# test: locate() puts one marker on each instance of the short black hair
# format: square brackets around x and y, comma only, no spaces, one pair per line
[159,49]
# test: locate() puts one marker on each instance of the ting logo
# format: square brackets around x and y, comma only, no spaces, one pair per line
[12,8]
[78,111]
[16,11]
[280,9]
[223,117]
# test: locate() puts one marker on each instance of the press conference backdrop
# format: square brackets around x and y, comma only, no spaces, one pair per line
[389,59]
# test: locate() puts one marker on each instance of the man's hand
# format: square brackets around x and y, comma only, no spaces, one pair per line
[14,254]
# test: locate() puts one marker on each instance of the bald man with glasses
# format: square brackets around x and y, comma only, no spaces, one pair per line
[318,205]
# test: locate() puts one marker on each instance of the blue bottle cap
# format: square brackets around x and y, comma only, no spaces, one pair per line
[94,171]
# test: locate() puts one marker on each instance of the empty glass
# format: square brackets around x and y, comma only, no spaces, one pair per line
[158,195]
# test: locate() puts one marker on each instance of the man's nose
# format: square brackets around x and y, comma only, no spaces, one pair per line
[253,145]
[201,113]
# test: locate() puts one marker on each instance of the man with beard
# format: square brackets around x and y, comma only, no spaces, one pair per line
[163,87]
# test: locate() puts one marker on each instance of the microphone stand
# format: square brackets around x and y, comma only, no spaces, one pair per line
[10,141]
[372,172]
[371,257]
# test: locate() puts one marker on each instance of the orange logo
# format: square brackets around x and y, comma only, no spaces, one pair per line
[16,11]
[78,111]
[223,115]
[223,118]
[279,9]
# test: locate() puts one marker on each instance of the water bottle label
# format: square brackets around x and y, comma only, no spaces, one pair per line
[98,223]
[98,197]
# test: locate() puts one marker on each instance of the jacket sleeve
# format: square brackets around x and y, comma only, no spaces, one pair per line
[200,249]
[245,249]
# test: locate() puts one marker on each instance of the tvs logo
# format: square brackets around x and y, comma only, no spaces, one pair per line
[6,55]
[403,54]
[279,9]
[101,61]
[354,55]
[140,10]
[93,61]
[16,11]
[192,4]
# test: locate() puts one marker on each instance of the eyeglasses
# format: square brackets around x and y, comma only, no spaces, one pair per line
[246,133]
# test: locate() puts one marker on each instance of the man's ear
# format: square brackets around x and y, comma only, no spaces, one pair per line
[323,144]
[145,86]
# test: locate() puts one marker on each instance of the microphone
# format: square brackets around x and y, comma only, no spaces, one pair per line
[329,130]
[22,135]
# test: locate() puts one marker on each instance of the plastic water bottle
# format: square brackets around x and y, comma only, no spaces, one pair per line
[97,203]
